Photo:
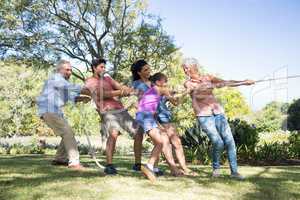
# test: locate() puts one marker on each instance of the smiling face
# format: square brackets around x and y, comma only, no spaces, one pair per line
[145,72]
[99,69]
[66,70]
[191,70]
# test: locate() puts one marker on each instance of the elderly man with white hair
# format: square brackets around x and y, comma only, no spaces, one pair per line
[56,92]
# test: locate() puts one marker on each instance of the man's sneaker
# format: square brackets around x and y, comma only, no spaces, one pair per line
[237,176]
[59,162]
[158,172]
[148,173]
[110,170]
[216,173]
[137,167]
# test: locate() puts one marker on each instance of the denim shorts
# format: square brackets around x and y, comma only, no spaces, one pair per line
[146,120]
[164,118]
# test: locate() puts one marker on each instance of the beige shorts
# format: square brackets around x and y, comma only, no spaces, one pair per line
[119,120]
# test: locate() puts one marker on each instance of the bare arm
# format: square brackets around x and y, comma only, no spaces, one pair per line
[218,83]
[120,90]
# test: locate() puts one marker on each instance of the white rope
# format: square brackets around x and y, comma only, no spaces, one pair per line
[280,78]
[92,152]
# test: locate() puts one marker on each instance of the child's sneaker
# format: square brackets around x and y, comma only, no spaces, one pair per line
[148,173]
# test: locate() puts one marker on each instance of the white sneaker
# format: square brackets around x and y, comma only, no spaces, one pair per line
[216,173]
[237,176]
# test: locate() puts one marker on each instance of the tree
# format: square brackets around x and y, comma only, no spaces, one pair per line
[120,30]
[293,120]
[271,117]
[233,102]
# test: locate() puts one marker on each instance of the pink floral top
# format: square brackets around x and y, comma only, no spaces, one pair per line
[204,102]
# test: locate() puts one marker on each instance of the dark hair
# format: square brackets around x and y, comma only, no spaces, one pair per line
[157,77]
[96,62]
[137,67]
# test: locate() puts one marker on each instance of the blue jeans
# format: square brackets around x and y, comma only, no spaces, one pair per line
[217,129]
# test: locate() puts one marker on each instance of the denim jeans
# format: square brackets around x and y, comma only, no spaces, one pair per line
[217,129]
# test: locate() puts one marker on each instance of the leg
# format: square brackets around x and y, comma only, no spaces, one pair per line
[225,132]
[131,126]
[62,128]
[167,150]
[61,154]
[176,142]
[137,147]
[209,127]
[110,145]
[158,144]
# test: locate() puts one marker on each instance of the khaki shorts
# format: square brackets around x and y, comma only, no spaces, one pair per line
[119,120]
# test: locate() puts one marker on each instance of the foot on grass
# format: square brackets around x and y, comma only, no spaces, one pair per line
[237,176]
[149,173]
[110,170]
[216,173]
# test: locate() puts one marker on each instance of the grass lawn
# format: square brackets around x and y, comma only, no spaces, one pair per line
[26,177]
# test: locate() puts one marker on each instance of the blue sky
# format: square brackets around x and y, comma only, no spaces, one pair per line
[239,39]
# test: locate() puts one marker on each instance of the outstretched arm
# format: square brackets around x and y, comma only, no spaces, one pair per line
[218,83]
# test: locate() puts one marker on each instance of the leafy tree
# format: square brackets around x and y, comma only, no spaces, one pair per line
[270,118]
[120,30]
[293,120]
[233,102]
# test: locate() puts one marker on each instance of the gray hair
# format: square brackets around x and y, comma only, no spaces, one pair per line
[60,64]
[192,62]
[189,62]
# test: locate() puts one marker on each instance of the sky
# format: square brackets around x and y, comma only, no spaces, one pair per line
[239,39]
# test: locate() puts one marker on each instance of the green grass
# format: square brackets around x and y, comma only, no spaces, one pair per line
[27,177]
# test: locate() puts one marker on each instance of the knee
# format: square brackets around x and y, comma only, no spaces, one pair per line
[218,143]
[139,137]
[160,142]
[176,142]
[165,139]
[114,135]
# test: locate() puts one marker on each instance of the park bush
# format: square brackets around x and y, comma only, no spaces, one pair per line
[294,145]
[293,120]
[271,118]
[198,147]
[272,152]
[246,138]
[278,146]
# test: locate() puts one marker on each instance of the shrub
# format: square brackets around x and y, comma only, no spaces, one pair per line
[293,120]
[245,136]
[196,145]
[294,145]
[271,118]
[272,151]
[3,151]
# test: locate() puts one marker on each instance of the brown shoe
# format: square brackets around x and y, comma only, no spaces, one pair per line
[78,167]
[148,173]
[59,162]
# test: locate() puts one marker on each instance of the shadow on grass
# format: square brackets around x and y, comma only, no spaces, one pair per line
[282,184]
[29,171]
